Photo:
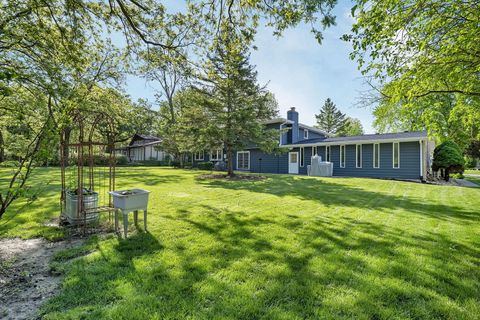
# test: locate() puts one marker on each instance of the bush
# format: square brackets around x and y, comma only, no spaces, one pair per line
[473,150]
[448,157]
[9,164]
[121,160]
[457,176]
[175,163]
[470,163]
[205,165]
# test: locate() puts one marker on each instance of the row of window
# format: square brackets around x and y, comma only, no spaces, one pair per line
[358,155]
[243,158]
[216,155]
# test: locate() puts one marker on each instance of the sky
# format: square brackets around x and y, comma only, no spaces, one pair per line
[300,72]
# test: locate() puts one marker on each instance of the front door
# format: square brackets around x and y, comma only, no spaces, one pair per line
[293,162]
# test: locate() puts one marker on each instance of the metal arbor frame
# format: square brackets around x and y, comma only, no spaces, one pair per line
[86,142]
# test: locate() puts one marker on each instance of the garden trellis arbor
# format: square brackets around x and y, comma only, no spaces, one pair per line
[87,162]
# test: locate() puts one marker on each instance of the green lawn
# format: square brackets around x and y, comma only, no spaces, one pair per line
[472,171]
[284,248]
[473,179]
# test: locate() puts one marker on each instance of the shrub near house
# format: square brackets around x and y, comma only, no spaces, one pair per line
[448,158]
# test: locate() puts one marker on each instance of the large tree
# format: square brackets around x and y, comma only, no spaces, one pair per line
[235,104]
[353,127]
[445,116]
[421,58]
[29,138]
[330,119]
[169,72]
[423,47]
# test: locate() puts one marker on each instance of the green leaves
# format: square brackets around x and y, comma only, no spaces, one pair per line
[424,47]
[448,156]
[353,127]
[230,102]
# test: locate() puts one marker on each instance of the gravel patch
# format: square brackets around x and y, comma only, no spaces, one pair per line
[25,278]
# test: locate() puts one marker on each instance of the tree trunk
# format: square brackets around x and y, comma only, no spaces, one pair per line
[181,159]
[3,208]
[447,174]
[2,148]
[230,161]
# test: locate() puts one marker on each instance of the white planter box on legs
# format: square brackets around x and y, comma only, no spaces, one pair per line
[130,201]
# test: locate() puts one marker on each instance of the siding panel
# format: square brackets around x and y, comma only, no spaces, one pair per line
[409,161]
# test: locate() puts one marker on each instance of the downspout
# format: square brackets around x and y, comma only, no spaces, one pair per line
[280,141]
[421,159]
[280,144]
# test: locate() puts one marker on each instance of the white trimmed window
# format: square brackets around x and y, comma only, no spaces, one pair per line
[327,153]
[216,155]
[243,160]
[358,156]
[376,155]
[396,155]
[305,134]
[342,156]
[302,156]
[199,156]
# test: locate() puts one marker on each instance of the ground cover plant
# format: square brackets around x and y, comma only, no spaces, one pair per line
[286,247]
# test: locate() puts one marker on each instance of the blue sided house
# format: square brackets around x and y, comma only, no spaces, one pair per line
[404,155]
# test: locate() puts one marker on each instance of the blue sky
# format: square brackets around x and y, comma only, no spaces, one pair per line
[300,72]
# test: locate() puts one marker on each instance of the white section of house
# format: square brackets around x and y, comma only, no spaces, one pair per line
[143,148]
[143,153]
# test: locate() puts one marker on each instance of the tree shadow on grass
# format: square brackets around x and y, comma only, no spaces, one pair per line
[235,264]
[27,217]
[225,263]
[334,193]
[335,259]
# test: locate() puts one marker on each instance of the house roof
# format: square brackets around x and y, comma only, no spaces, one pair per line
[366,138]
[146,137]
[301,125]
[139,145]
[142,140]
[309,128]
[278,120]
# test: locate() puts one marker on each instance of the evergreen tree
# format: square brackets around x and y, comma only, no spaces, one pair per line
[330,119]
[233,103]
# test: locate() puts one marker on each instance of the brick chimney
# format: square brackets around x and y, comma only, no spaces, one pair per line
[292,115]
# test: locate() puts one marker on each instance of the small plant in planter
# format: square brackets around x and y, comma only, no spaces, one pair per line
[448,158]
[85,192]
